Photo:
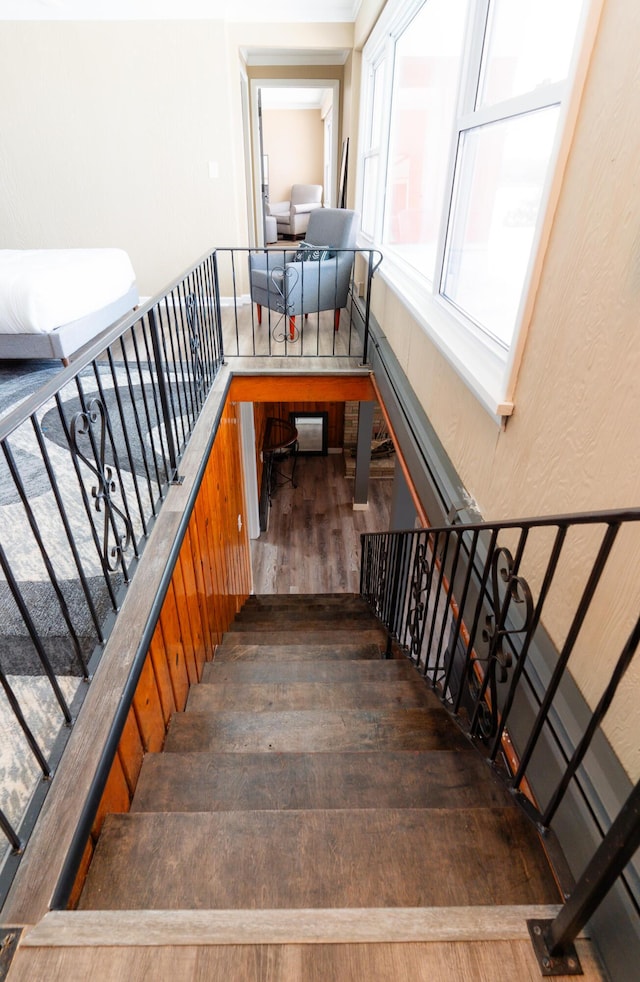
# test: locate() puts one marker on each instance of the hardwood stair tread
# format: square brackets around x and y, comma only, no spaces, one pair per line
[343,858]
[252,650]
[337,671]
[303,600]
[239,782]
[274,696]
[330,625]
[311,730]
[312,612]
[297,637]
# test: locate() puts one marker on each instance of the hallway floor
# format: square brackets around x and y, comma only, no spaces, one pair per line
[312,544]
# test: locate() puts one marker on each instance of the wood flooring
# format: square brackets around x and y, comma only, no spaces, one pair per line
[312,544]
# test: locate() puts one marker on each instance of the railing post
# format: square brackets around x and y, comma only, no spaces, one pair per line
[218,309]
[367,313]
[164,394]
[553,940]
[396,545]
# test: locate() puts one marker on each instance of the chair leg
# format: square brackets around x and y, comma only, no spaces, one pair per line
[336,320]
[292,328]
[259,314]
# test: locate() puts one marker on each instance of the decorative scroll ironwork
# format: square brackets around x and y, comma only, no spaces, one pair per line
[193,323]
[483,682]
[421,576]
[115,539]
[283,280]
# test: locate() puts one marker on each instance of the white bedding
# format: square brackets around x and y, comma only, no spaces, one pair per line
[44,289]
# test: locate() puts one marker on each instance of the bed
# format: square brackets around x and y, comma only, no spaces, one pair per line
[54,301]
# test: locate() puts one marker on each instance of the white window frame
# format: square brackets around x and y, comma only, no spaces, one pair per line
[488,368]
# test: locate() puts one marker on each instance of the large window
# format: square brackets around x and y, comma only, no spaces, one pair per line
[462,110]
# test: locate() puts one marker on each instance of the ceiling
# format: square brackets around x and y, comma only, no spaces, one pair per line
[263,11]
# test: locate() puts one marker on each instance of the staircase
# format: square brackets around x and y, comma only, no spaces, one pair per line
[315,807]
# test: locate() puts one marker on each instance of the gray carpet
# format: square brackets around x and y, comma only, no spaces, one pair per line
[18,655]
[20,379]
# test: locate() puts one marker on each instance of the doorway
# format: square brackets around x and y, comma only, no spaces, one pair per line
[294,139]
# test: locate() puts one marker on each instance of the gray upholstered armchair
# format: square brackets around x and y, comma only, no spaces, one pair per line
[292,217]
[311,278]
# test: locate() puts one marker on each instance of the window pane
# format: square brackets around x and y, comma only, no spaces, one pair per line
[498,188]
[425,85]
[529,45]
[369,195]
[377,97]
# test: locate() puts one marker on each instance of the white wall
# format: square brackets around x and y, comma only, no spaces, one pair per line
[107,132]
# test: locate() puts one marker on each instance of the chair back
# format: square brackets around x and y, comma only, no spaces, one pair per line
[306,194]
[336,228]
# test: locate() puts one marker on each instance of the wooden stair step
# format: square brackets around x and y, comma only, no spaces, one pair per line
[341,858]
[324,635]
[303,600]
[199,782]
[312,612]
[236,650]
[367,670]
[309,730]
[277,625]
[276,696]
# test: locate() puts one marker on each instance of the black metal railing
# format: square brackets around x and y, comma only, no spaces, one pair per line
[85,465]
[273,304]
[469,605]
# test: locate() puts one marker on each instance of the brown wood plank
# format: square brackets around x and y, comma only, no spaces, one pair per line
[296,617]
[314,730]
[499,961]
[268,626]
[343,858]
[299,636]
[251,671]
[310,695]
[240,782]
[307,651]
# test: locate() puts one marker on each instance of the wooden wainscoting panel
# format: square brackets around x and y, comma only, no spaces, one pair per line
[116,797]
[148,709]
[157,655]
[174,651]
[131,751]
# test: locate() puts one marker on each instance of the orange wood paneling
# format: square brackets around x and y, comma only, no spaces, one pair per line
[131,751]
[85,862]
[148,710]
[322,388]
[174,649]
[188,605]
[160,670]
[115,799]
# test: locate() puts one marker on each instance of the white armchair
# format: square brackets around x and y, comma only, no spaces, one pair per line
[292,217]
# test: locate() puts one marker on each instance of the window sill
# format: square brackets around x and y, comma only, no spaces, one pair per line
[481,365]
